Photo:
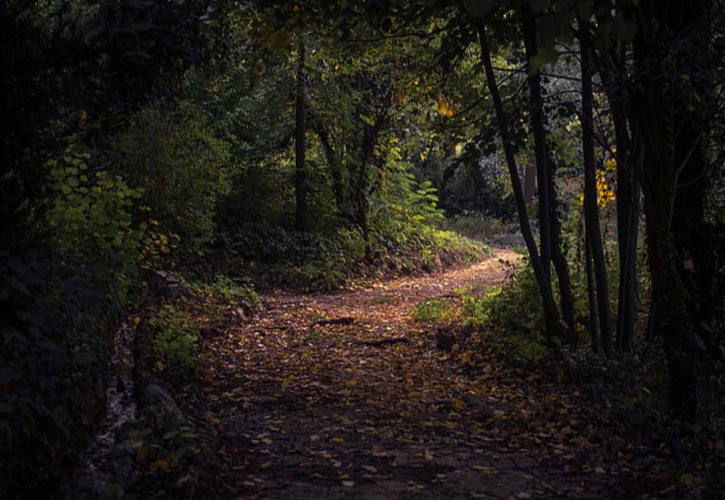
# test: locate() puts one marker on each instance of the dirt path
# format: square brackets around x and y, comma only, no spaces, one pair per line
[313,410]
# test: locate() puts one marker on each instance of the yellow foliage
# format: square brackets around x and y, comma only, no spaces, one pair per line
[445,107]
[605,194]
[159,465]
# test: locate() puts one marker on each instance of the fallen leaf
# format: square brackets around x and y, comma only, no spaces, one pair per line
[159,465]
[687,479]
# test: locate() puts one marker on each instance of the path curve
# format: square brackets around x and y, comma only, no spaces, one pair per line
[314,410]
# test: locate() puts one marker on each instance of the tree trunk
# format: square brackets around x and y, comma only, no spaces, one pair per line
[591,296]
[301,218]
[553,324]
[628,195]
[591,207]
[628,143]
[529,175]
[672,136]
[549,225]
[361,200]
[558,256]
[333,163]
[536,113]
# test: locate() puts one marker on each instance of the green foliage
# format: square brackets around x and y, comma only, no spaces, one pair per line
[432,310]
[91,217]
[224,290]
[511,319]
[175,336]
[170,149]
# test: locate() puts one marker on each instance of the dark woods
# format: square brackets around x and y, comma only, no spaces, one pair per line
[314,139]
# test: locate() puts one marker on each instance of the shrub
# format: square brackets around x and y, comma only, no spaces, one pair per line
[175,337]
[432,310]
[171,151]
[511,318]
[90,217]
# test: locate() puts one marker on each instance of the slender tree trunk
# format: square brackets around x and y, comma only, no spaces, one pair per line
[333,164]
[361,200]
[628,151]
[301,217]
[558,257]
[628,195]
[549,225]
[529,175]
[553,323]
[591,296]
[536,112]
[591,208]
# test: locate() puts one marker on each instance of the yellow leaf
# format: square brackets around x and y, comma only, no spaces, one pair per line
[687,479]
[159,465]
[458,404]
[445,108]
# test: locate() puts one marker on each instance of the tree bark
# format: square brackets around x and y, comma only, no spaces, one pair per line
[333,161]
[591,296]
[591,207]
[628,195]
[549,224]
[536,114]
[301,216]
[672,135]
[529,175]
[628,143]
[361,200]
[553,324]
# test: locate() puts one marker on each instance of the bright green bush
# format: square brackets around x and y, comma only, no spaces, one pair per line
[432,310]
[90,217]
[170,150]
[225,290]
[511,319]
[175,337]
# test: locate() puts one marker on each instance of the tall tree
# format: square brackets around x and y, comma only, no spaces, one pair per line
[554,326]
[591,204]
[549,224]
[672,101]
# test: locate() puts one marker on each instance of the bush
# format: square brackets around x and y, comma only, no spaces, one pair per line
[90,217]
[511,318]
[170,150]
[432,310]
[175,337]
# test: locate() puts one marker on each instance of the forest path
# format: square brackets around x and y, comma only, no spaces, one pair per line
[313,410]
